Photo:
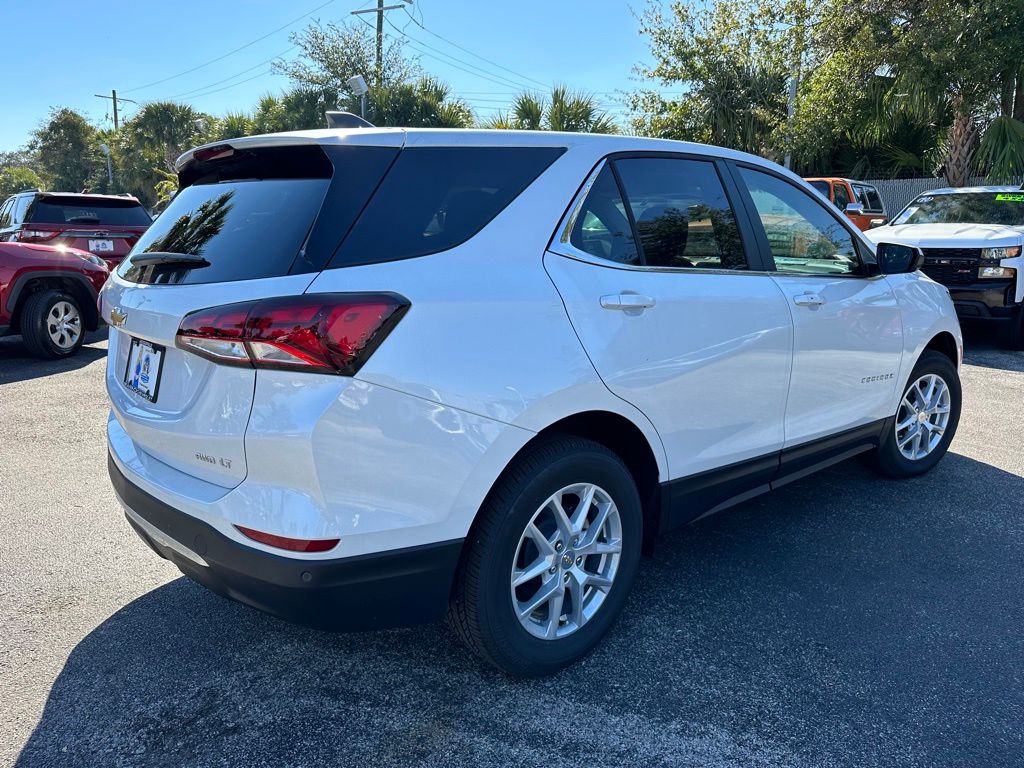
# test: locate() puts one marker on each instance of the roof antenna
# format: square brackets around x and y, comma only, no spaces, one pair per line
[346,120]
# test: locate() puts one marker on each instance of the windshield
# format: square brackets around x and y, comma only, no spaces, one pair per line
[1004,208]
[821,186]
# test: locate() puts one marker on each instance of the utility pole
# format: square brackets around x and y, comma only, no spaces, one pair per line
[794,78]
[114,98]
[379,10]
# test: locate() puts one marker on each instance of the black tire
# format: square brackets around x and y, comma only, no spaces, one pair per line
[481,609]
[889,459]
[33,324]
[1015,330]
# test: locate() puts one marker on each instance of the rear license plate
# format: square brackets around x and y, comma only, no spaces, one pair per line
[142,375]
[101,246]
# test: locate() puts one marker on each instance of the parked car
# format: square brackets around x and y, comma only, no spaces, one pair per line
[366,378]
[48,295]
[972,239]
[857,199]
[106,225]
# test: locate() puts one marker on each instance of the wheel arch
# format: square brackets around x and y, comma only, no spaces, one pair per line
[944,343]
[41,280]
[628,441]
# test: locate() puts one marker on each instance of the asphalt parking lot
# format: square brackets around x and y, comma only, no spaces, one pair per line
[842,621]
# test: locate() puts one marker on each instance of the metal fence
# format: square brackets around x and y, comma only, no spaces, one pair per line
[896,193]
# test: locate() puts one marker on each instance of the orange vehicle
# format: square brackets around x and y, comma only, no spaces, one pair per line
[857,199]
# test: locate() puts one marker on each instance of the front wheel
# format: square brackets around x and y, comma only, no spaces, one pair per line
[926,418]
[51,324]
[551,559]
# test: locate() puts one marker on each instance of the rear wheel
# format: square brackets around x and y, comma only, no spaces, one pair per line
[551,559]
[51,324]
[926,418]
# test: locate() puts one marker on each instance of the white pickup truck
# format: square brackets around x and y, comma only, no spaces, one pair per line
[972,239]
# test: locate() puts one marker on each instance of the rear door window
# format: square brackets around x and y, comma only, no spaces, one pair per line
[868,197]
[683,218]
[602,226]
[435,198]
[111,212]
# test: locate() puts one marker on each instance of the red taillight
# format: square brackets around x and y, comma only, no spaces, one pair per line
[325,333]
[292,545]
[34,235]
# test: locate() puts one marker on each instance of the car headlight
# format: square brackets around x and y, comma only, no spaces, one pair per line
[94,259]
[995,254]
[997,272]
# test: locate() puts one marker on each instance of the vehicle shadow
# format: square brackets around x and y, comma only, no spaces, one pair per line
[843,620]
[16,364]
[984,346]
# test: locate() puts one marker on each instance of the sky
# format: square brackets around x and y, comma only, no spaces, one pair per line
[215,55]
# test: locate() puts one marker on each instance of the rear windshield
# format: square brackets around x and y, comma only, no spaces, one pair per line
[89,211]
[1004,208]
[251,214]
[435,198]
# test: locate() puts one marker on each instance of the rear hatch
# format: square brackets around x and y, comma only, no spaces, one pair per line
[107,226]
[250,222]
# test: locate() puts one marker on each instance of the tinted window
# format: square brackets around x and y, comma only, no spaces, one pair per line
[803,235]
[245,229]
[5,212]
[822,187]
[842,196]
[435,198]
[20,206]
[683,218]
[1005,208]
[89,211]
[868,197]
[602,226]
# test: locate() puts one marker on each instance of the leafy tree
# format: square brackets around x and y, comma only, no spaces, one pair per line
[425,103]
[18,179]
[730,61]
[564,110]
[333,53]
[67,146]
[300,109]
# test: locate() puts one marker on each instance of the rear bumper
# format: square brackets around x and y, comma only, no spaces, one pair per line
[374,591]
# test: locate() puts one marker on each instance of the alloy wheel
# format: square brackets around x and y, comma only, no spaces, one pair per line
[566,561]
[922,417]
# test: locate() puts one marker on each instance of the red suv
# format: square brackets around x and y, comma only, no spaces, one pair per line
[48,295]
[106,225]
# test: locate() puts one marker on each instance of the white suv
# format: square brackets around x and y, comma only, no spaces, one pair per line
[366,378]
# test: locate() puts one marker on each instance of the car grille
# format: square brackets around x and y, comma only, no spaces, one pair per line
[952,266]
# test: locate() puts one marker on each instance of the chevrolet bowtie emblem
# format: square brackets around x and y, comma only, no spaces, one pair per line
[117,317]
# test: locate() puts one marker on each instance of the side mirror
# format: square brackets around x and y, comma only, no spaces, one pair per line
[896,259]
[857,209]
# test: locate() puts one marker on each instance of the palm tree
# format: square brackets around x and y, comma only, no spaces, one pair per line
[564,110]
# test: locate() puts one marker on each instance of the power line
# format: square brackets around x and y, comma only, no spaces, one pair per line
[234,51]
[471,53]
[237,74]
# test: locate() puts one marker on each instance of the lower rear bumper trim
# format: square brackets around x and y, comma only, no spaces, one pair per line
[395,588]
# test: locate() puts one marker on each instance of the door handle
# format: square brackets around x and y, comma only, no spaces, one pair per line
[627,301]
[808,300]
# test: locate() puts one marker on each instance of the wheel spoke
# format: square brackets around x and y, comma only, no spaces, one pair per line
[576,592]
[907,438]
[547,591]
[561,518]
[579,517]
[906,423]
[598,582]
[591,534]
[544,545]
[532,571]
[612,547]
[555,613]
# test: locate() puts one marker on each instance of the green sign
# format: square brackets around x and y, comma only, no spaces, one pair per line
[1010,198]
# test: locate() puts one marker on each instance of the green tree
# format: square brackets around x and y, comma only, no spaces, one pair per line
[67,146]
[729,61]
[425,103]
[331,54]
[18,179]
[563,110]
[300,109]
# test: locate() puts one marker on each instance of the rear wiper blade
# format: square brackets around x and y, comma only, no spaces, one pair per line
[164,258]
